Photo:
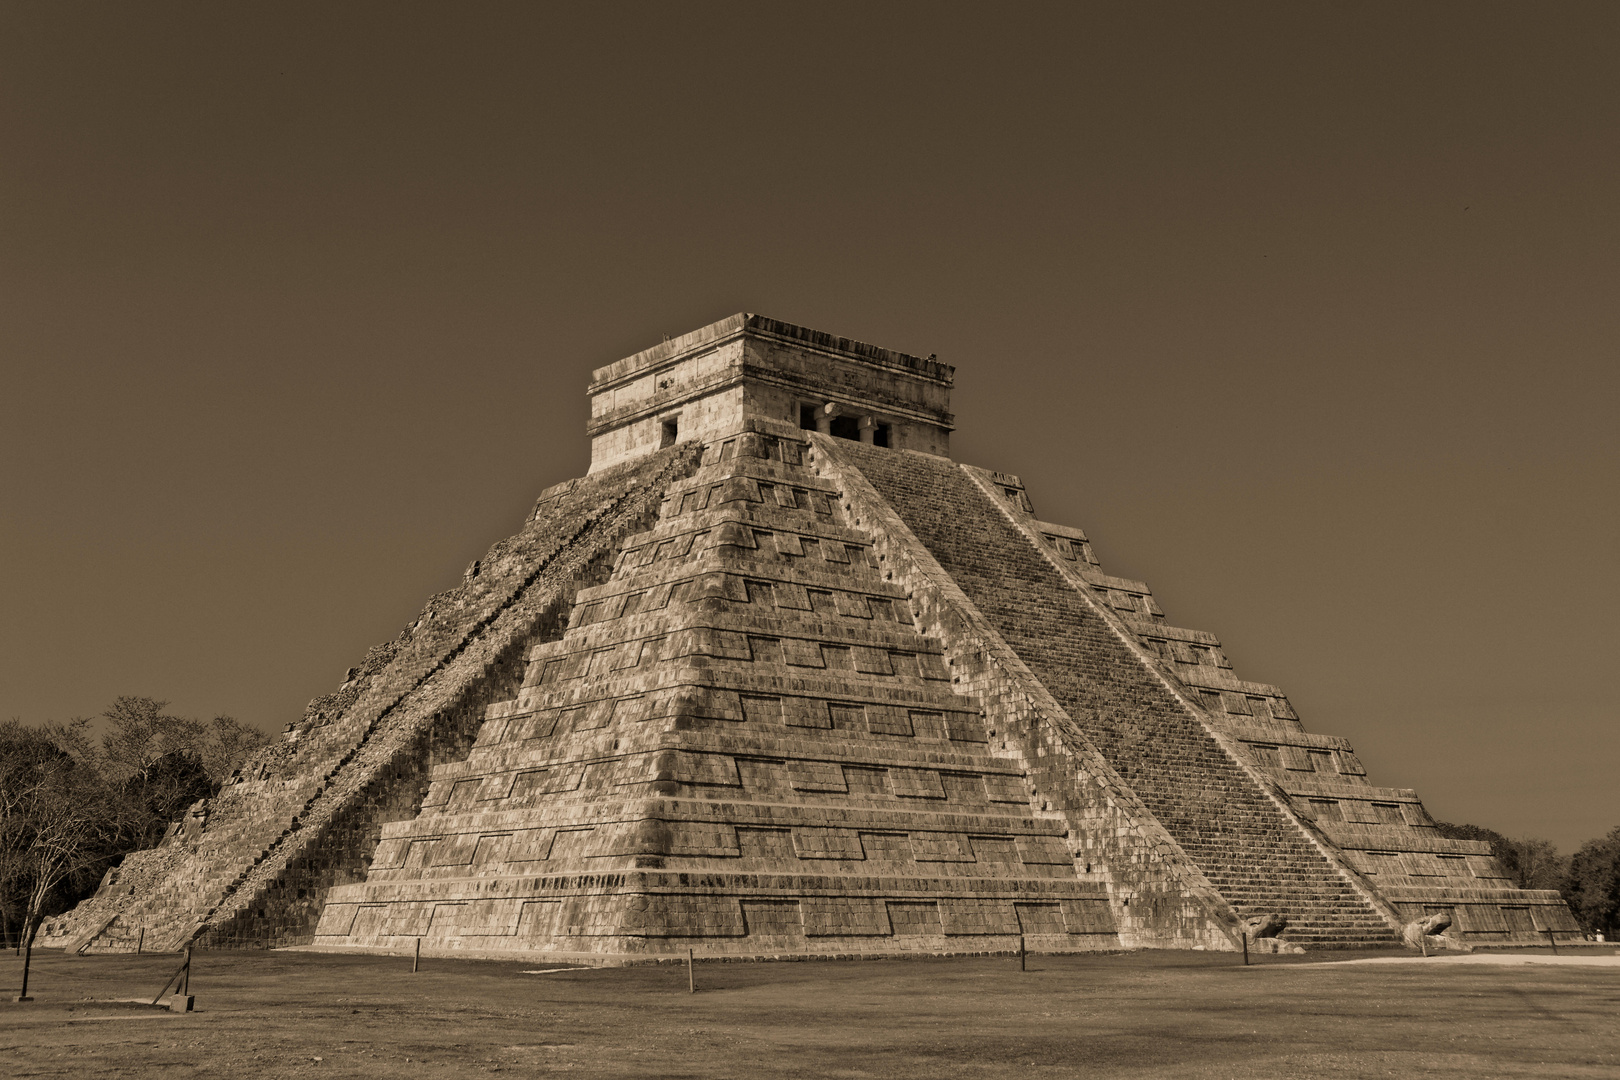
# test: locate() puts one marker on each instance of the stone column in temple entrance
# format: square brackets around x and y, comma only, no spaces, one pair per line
[868,426]
[824,417]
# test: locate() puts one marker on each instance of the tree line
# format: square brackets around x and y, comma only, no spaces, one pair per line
[1589,879]
[72,805]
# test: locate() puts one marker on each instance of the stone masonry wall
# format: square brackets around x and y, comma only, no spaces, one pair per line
[742,743]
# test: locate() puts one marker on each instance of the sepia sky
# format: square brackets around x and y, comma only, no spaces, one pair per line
[1308,314]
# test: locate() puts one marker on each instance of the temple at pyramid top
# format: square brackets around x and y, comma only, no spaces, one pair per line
[707,383]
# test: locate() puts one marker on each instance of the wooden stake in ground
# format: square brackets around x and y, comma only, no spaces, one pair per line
[1022,965]
[691,979]
[1245,948]
[140,941]
[416,959]
[180,980]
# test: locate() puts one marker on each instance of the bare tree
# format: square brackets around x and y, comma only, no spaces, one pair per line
[140,734]
[73,822]
[226,744]
[1537,864]
[18,748]
[33,761]
[61,820]
[1529,861]
[69,804]
[163,763]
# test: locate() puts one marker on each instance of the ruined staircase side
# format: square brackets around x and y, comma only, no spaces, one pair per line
[302,815]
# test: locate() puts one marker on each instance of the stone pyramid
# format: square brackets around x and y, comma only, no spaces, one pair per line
[779,678]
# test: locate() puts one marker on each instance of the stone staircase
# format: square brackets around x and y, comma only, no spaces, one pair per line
[1259,859]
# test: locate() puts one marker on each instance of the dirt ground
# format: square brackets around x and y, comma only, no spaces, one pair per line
[263,1014]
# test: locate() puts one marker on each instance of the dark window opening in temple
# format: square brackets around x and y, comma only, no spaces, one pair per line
[672,431]
[880,435]
[846,427]
[807,417]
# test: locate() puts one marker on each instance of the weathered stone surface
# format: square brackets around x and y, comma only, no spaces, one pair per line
[1436,923]
[779,678]
[742,741]
[1430,934]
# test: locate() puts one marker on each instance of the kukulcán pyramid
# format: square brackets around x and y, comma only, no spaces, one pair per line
[778,678]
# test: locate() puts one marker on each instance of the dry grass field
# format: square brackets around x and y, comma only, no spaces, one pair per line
[1134,1015]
